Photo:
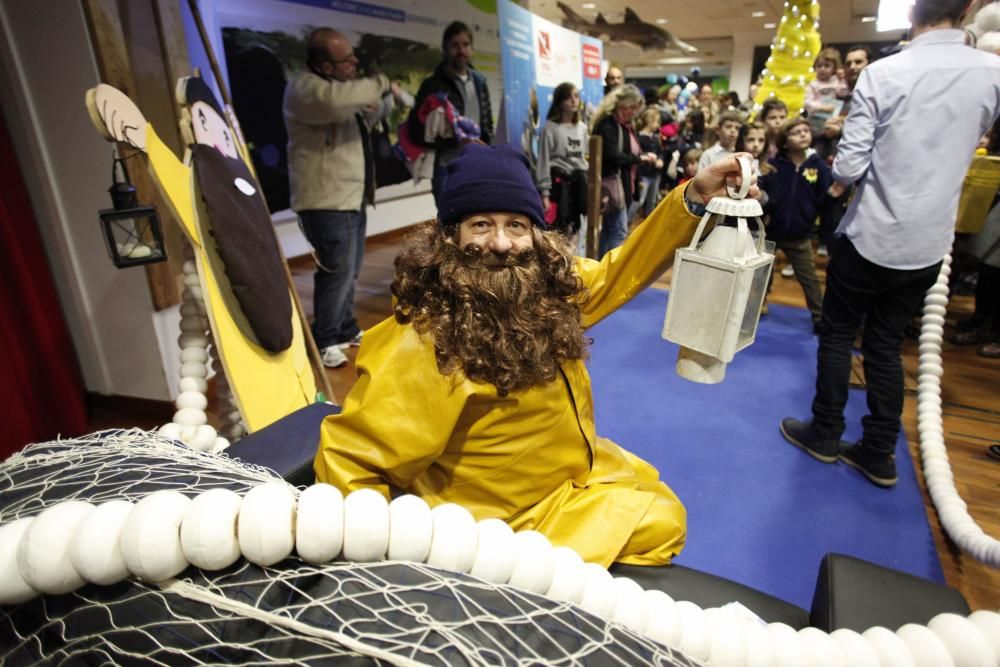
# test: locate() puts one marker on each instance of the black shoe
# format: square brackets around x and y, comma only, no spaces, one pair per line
[993,451]
[802,435]
[879,469]
[971,323]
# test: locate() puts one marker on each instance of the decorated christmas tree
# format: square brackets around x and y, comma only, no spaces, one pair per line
[789,66]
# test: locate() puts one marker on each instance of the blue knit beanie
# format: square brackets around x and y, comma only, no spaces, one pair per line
[485,179]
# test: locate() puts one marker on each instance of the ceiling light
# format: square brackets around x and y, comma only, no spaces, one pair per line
[868,19]
[588,5]
[757,15]
[769,26]
[893,15]
[661,21]
[679,60]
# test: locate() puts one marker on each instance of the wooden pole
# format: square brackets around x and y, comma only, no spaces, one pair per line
[319,370]
[596,152]
[108,39]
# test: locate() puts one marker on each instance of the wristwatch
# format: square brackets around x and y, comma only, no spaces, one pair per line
[693,207]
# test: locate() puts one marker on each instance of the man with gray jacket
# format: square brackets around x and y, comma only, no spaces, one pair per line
[327,111]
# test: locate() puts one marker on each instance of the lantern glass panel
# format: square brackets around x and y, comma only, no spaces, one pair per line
[700,298]
[755,298]
[133,236]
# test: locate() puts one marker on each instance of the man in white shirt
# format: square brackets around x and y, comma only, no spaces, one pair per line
[899,226]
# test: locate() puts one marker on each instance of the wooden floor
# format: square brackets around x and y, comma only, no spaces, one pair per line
[970,394]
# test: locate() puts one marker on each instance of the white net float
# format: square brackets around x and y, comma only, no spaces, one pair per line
[410,528]
[534,562]
[495,554]
[568,579]
[150,538]
[43,555]
[208,529]
[266,526]
[95,548]
[454,538]
[926,648]
[598,591]
[366,526]
[203,531]
[13,588]
[319,525]
[891,650]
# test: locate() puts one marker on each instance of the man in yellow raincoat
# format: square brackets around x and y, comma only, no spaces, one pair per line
[476,391]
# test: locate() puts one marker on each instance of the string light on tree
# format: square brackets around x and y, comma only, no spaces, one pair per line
[789,66]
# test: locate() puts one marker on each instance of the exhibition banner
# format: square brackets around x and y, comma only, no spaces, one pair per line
[536,55]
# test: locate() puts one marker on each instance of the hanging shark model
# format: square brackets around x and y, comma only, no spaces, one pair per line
[633,29]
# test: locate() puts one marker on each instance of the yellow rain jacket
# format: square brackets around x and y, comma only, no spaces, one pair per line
[531,458]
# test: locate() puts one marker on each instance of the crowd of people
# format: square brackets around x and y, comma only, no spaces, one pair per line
[482,359]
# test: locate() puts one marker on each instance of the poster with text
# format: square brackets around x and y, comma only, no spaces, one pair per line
[536,55]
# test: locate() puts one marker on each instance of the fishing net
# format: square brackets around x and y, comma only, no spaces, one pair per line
[384,612]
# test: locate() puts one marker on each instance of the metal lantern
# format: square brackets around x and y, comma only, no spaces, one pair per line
[131,231]
[717,289]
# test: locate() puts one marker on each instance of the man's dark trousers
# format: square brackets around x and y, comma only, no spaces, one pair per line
[885,299]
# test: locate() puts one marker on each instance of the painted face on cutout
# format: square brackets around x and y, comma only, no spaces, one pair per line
[212,130]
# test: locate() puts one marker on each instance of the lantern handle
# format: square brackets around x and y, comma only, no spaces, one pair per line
[760,235]
[744,180]
[697,232]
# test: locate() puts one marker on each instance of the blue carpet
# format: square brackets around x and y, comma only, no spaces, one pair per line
[760,511]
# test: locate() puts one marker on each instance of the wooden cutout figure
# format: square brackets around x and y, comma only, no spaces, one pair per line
[267,383]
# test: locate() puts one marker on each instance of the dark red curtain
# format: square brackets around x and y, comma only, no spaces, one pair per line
[41,392]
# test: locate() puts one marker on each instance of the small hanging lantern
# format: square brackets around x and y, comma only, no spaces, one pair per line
[131,232]
[717,289]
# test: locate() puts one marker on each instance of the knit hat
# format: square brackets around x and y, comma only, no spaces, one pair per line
[485,179]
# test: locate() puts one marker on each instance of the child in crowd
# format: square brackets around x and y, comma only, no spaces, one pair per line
[648,135]
[670,140]
[799,183]
[693,131]
[773,113]
[561,173]
[753,140]
[687,163]
[730,123]
[825,97]
[825,93]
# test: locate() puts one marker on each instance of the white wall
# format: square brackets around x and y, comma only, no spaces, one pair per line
[46,65]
